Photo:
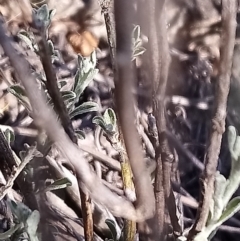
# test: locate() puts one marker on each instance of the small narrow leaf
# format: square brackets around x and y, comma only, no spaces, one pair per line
[53,52]
[98,120]
[6,235]
[87,64]
[28,39]
[68,96]
[84,81]
[86,107]
[220,185]
[110,117]
[9,135]
[108,128]
[236,148]
[80,134]
[232,208]
[61,83]
[77,78]
[52,12]
[59,184]
[111,225]
[232,136]
[85,74]
[32,222]
[51,47]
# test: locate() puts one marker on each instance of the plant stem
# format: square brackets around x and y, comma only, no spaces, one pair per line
[229,11]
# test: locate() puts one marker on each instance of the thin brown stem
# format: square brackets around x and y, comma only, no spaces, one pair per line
[61,110]
[159,65]
[53,89]
[155,76]
[108,12]
[229,11]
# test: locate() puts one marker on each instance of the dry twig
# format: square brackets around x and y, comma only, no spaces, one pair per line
[229,10]
[159,64]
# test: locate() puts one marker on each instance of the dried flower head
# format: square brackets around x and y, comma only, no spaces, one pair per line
[83,43]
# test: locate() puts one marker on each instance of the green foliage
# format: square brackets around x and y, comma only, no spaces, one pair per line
[58,184]
[8,234]
[111,225]
[85,72]
[26,221]
[55,54]
[32,225]
[222,207]
[86,107]
[116,236]
[220,185]
[9,136]
[108,122]
[68,97]
[42,17]
[29,40]
[80,134]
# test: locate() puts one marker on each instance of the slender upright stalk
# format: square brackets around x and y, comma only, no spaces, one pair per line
[229,12]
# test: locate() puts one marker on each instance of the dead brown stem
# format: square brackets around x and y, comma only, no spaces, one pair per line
[159,65]
[107,9]
[154,51]
[229,10]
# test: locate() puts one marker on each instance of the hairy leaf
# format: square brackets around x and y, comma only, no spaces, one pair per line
[111,225]
[68,96]
[82,81]
[80,134]
[28,39]
[110,117]
[232,208]
[42,17]
[32,225]
[9,135]
[86,107]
